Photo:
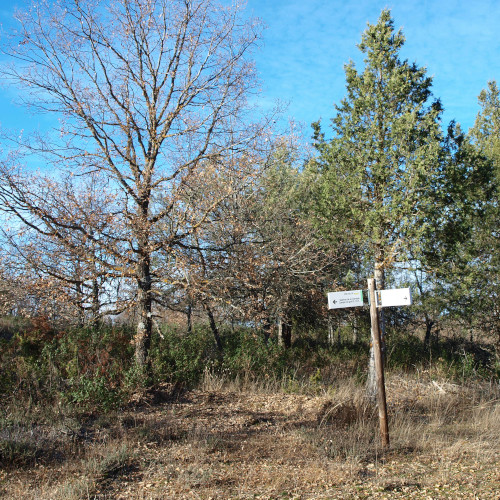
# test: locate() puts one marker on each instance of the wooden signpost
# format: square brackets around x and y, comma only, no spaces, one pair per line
[377,299]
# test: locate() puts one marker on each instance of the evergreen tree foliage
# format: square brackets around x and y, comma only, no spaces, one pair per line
[486,264]
[376,173]
[454,255]
[460,250]
[486,130]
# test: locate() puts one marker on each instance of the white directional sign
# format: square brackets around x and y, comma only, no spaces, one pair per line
[393,298]
[338,300]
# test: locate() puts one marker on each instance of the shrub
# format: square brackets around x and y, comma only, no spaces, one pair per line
[181,357]
[82,368]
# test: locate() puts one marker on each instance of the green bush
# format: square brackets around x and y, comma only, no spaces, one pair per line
[83,368]
[93,370]
[181,357]
[454,357]
[248,355]
[91,394]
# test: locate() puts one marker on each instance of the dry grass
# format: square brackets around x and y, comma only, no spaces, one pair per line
[245,440]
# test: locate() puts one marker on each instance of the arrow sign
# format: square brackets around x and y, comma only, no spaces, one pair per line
[339,300]
[394,298]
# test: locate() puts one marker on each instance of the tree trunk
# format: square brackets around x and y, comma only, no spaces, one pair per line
[144,329]
[355,329]
[331,330]
[215,330]
[80,303]
[380,285]
[428,329]
[96,307]
[267,329]
[189,314]
[280,331]
[371,383]
[284,333]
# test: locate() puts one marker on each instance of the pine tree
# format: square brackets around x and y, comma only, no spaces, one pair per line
[376,173]
[486,130]
[486,136]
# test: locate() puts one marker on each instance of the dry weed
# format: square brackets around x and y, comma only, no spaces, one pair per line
[226,442]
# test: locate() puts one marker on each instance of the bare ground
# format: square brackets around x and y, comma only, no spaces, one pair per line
[223,442]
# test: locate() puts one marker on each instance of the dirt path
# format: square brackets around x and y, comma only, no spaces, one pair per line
[215,444]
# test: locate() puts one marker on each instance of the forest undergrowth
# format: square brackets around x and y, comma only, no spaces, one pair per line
[259,421]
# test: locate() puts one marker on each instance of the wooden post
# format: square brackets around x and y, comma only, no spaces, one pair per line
[379,366]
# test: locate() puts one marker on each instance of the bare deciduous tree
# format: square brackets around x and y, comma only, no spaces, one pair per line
[149,92]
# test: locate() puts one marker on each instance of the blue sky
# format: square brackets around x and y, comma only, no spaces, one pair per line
[307,43]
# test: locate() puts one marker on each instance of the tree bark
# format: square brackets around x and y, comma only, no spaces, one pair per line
[284,333]
[371,383]
[81,310]
[189,314]
[266,329]
[355,329]
[331,330]
[144,316]
[379,365]
[428,329]
[95,320]
[215,330]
